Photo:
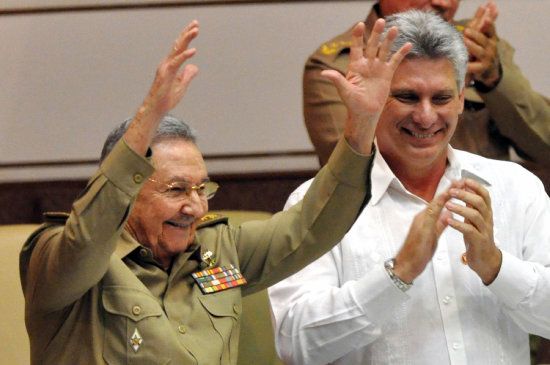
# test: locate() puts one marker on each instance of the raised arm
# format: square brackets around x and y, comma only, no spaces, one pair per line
[166,92]
[63,263]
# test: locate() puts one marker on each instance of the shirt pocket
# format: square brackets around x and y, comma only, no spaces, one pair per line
[134,324]
[224,309]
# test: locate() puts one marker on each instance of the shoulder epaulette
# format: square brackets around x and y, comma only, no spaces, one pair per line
[330,50]
[55,217]
[460,25]
[212,219]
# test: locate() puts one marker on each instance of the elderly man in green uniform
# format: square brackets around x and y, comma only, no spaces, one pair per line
[501,109]
[131,276]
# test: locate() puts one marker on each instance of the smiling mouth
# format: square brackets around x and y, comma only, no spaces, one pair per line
[420,135]
[183,223]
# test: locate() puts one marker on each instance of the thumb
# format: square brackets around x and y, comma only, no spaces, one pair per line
[437,215]
[336,78]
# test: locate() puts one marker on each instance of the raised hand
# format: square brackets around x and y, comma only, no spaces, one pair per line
[480,38]
[482,255]
[167,90]
[170,84]
[365,88]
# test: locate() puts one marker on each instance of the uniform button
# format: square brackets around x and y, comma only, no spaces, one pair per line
[447,299]
[236,309]
[181,329]
[136,309]
[143,252]
[138,178]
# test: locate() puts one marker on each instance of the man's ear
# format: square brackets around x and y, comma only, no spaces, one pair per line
[461,99]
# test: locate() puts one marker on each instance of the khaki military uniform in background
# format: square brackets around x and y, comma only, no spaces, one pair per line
[94,295]
[512,114]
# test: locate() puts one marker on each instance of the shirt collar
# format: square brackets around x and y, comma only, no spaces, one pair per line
[381,177]
[126,244]
[459,167]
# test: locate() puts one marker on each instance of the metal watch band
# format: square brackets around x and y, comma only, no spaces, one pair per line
[388,264]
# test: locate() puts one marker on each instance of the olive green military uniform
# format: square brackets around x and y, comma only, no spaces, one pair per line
[94,295]
[511,114]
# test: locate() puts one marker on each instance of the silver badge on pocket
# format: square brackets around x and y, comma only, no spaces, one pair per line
[136,340]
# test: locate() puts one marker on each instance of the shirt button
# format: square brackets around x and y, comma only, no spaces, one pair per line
[456,346]
[181,329]
[236,309]
[136,309]
[447,299]
[138,178]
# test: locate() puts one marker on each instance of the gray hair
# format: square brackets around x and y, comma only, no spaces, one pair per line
[169,127]
[431,37]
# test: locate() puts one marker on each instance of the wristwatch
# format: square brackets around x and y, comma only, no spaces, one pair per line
[388,264]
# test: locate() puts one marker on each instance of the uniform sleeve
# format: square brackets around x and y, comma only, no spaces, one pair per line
[62,263]
[271,250]
[523,283]
[520,113]
[324,113]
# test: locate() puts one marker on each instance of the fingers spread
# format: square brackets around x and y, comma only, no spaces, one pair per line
[371,50]
[186,36]
[356,46]
[385,46]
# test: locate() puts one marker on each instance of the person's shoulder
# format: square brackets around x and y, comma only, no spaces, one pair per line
[55,218]
[53,224]
[212,219]
[460,25]
[502,43]
[51,221]
[329,52]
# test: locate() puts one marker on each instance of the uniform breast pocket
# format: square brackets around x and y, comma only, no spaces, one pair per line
[134,326]
[224,309]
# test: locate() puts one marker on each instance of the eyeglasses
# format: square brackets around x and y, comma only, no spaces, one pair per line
[180,190]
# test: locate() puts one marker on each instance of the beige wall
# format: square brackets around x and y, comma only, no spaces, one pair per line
[67,77]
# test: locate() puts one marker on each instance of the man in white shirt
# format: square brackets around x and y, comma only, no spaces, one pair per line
[411,283]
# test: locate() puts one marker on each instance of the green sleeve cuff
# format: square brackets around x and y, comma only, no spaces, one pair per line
[348,166]
[126,169]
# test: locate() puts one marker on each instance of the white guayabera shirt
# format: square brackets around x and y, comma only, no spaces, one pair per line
[344,308]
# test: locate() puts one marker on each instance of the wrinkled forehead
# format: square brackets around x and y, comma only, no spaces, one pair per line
[178,158]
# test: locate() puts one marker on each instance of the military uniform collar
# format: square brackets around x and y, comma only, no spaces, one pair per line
[126,244]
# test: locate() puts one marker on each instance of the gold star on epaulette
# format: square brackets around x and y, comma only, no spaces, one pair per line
[209,217]
[334,47]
